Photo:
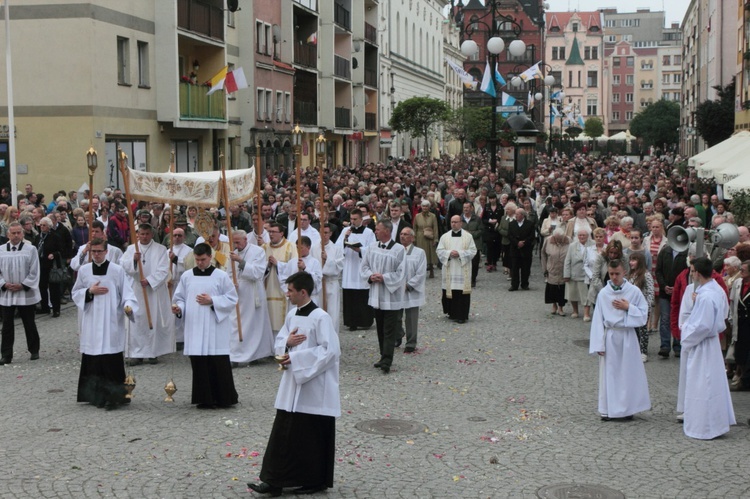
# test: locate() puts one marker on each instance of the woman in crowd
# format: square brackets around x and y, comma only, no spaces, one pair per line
[192,213]
[554,251]
[600,240]
[162,231]
[600,274]
[653,243]
[576,278]
[491,215]
[80,233]
[551,222]
[580,221]
[502,229]
[49,247]
[734,282]
[426,231]
[640,277]
[11,215]
[612,224]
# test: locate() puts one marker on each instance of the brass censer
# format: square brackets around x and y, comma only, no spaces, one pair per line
[170,388]
[129,385]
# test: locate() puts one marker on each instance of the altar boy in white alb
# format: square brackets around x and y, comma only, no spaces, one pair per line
[103,293]
[145,343]
[206,297]
[331,257]
[257,336]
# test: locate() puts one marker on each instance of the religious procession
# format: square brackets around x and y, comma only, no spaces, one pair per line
[232,268]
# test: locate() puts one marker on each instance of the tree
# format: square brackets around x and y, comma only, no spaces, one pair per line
[417,115]
[594,128]
[473,124]
[658,124]
[714,120]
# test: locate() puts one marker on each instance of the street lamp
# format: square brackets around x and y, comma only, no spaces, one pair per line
[555,99]
[91,164]
[297,143]
[491,22]
[320,148]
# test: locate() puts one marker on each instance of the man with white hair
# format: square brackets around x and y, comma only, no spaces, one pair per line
[521,234]
[414,293]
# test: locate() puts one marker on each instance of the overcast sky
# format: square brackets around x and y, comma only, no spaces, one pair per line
[675,9]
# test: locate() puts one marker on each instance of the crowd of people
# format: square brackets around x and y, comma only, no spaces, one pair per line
[361,252]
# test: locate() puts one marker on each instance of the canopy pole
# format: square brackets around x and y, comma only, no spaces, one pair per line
[323,220]
[171,285]
[133,236]
[225,192]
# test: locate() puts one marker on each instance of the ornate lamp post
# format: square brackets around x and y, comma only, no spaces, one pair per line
[555,101]
[320,148]
[297,143]
[91,164]
[491,22]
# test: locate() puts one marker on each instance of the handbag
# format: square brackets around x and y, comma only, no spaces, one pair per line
[58,274]
[729,357]
[429,233]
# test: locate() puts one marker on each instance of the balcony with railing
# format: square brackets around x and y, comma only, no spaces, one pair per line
[371,121]
[342,17]
[343,117]
[305,113]
[371,34]
[306,55]
[201,18]
[196,105]
[342,67]
[371,77]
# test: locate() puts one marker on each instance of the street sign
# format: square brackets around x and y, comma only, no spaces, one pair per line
[386,143]
[509,109]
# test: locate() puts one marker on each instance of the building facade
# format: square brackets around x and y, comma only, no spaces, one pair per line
[742,82]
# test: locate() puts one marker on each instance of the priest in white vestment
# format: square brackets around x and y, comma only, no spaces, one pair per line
[145,343]
[98,231]
[456,249]
[620,308]
[355,242]
[278,251]
[206,299]
[301,450]
[305,263]
[257,335]
[414,288]
[331,257]
[103,293]
[306,230]
[703,393]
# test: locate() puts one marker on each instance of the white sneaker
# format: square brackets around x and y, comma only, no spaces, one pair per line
[644,358]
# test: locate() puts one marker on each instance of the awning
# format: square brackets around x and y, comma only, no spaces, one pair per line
[718,149]
[736,185]
[202,189]
[734,158]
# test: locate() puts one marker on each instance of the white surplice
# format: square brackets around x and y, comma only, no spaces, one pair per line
[623,388]
[703,393]
[114,254]
[391,262]
[311,383]
[19,267]
[207,327]
[144,342]
[311,232]
[456,271]
[351,276]
[312,267]
[102,320]
[416,273]
[181,251]
[332,270]
[257,335]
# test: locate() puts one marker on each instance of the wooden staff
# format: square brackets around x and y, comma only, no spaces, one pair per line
[225,193]
[133,237]
[298,180]
[91,205]
[323,220]
[258,198]
[171,231]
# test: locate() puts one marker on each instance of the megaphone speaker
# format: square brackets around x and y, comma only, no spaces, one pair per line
[725,235]
[679,239]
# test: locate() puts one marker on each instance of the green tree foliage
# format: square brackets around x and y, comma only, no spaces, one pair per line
[417,115]
[714,120]
[473,124]
[658,124]
[594,128]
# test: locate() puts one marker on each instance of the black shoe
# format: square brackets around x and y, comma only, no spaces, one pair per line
[352,328]
[409,350]
[377,365]
[398,343]
[264,488]
[525,288]
[180,346]
[55,314]
[385,369]
[473,284]
[461,321]
[4,361]
[310,489]
[111,406]
[512,289]
[677,354]
[34,356]
[606,418]
[153,360]
[664,353]
[205,406]
[134,362]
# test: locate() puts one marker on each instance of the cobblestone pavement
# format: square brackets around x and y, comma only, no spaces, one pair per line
[507,402]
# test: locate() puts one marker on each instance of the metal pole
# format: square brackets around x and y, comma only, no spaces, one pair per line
[11,114]
[493,138]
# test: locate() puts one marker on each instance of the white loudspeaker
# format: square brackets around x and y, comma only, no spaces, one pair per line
[679,239]
[725,235]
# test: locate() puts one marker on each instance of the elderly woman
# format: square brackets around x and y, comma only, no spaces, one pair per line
[600,240]
[600,274]
[491,215]
[554,251]
[550,223]
[580,221]
[502,228]
[612,226]
[576,278]
[426,229]
[50,247]
[733,280]
[654,242]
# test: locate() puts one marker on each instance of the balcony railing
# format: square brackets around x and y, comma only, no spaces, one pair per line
[343,117]
[202,18]
[196,105]
[371,34]
[342,67]
[306,113]
[371,77]
[306,55]
[342,17]
[371,121]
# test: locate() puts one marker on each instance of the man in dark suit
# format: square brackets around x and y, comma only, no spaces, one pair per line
[473,225]
[521,234]
[398,221]
[288,219]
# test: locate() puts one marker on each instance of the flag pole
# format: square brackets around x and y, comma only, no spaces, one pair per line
[225,193]
[11,114]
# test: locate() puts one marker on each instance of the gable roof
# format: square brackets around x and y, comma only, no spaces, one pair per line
[560,20]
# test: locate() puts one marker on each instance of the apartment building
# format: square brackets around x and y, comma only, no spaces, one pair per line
[742,83]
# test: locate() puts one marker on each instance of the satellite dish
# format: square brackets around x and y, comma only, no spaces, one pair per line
[233,5]
[355,123]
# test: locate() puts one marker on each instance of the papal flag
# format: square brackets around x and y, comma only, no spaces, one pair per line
[230,81]
[531,73]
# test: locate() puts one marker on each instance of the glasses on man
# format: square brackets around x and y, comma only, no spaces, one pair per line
[98,251]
